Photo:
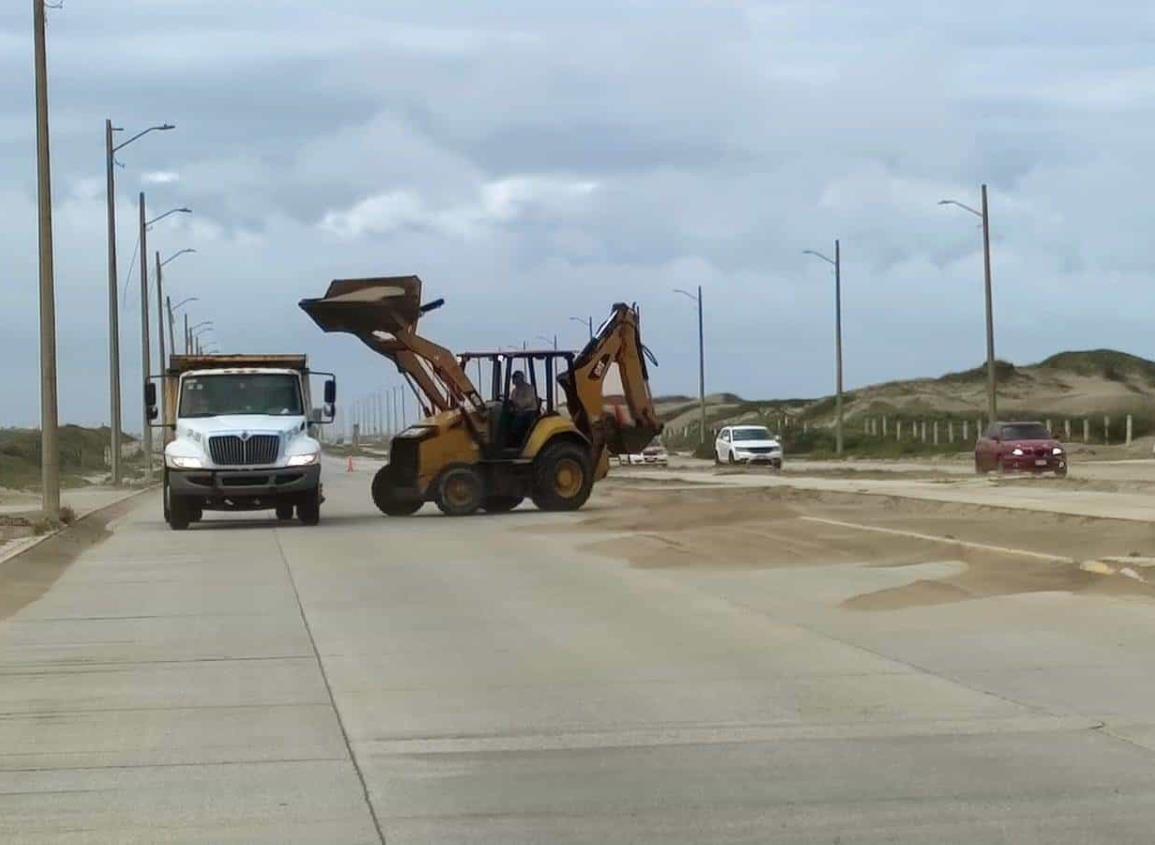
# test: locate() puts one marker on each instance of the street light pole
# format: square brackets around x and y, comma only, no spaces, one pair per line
[992,378]
[145,357]
[49,449]
[113,311]
[992,387]
[836,262]
[701,363]
[160,337]
[115,424]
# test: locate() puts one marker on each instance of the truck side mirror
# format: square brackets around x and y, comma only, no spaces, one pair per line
[150,400]
[331,392]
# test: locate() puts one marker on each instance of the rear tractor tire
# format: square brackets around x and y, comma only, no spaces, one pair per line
[460,491]
[563,476]
[385,495]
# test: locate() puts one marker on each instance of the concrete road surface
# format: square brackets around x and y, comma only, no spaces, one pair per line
[515,680]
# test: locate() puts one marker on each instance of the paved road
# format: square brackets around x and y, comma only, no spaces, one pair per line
[493,680]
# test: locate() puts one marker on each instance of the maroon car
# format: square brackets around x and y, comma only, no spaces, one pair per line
[1020,447]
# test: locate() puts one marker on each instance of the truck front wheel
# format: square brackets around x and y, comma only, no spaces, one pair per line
[309,508]
[177,512]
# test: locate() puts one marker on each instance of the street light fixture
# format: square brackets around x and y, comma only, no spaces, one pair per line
[110,150]
[701,362]
[184,302]
[836,262]
[161,306]
[984,215]
[587,321]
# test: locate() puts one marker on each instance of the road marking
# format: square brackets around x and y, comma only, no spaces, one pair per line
[725,734]
[915,535]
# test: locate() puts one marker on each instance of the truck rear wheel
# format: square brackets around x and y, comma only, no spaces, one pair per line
[385,495]
[460,491]
[562,477]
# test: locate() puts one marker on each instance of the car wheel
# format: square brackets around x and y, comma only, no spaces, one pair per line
[730,457]
[1061,472]
[284,512]
[979,468]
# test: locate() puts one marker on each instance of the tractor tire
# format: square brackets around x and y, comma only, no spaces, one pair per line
[563,476]
[501,504]
[309,508]
[385,499]
[460,491]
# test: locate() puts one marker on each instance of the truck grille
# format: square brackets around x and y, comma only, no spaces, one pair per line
[230,450]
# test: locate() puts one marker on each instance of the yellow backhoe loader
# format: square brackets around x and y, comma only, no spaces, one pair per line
[475,452]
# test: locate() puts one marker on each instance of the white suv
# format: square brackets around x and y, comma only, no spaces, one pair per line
[747,444]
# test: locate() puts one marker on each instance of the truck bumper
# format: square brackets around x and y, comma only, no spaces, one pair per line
[247,489]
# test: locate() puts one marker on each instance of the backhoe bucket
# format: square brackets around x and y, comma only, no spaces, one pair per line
[365,306]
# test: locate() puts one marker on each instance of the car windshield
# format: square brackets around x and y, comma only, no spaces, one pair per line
[751,434]
[270,394]
[1025,431]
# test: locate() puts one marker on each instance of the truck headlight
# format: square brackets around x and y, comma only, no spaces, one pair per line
[1057,451]
[185,463]
[303,460]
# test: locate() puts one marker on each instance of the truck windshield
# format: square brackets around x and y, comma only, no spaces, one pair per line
[271,394]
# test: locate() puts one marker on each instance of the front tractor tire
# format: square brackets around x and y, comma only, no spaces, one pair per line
[563,477]
[385,496]
[460,491]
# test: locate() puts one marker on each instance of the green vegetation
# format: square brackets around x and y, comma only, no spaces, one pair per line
[81,454]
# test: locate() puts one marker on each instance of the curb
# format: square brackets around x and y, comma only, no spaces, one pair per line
[33,542]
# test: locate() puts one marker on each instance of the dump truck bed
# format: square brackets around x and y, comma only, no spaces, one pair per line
[184,363]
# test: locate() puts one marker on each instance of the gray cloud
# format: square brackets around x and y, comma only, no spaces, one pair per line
[539,161]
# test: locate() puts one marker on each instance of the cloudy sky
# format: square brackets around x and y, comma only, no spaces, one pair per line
[536,161]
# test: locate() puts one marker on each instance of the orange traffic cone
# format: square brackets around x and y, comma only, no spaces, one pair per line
[349,468]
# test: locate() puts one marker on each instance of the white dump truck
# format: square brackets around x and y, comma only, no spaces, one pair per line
[241,434]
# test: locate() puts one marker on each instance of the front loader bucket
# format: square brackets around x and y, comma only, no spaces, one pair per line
[365,306]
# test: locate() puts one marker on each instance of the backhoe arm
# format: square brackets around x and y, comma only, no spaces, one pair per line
[624,424]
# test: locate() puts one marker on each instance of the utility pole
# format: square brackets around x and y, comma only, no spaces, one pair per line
[146,366]
[187,338]
[113,310]
[49,449]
